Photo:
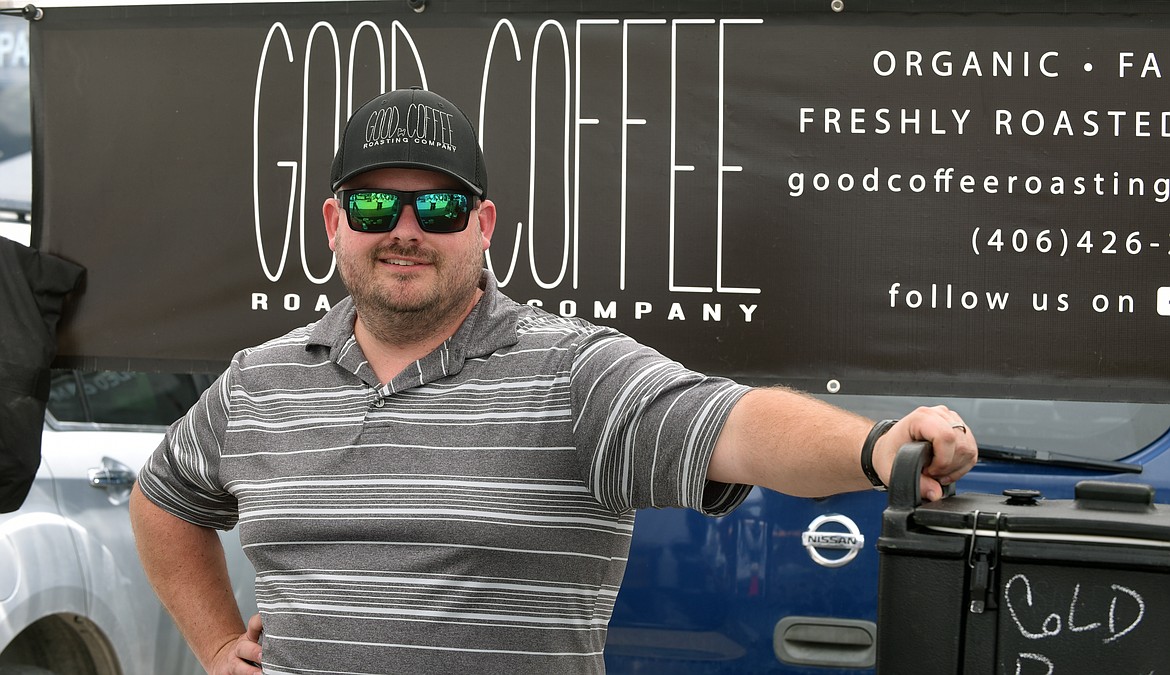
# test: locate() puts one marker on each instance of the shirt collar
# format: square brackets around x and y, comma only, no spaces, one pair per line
[489,327]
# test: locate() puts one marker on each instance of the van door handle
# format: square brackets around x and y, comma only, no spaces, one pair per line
[818,641]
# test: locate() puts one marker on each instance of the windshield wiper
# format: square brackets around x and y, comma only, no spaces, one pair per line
[1004,453]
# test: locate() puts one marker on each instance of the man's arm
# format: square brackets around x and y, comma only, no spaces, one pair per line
[186,566]
[793,443]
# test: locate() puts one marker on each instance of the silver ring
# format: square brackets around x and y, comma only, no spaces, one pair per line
[960,427]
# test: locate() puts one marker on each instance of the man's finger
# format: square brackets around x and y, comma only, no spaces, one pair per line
[255,627]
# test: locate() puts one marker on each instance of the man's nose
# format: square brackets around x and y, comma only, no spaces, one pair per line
[408,227]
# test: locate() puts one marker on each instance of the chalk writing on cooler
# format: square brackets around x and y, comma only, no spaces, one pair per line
[1054,623]
[1123,603]
[1038,658]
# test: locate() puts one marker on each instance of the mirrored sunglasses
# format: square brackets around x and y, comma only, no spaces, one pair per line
[378,210]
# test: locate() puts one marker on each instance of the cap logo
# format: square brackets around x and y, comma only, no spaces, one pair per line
[422,124]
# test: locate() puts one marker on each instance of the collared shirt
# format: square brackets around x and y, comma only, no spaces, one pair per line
[475,512]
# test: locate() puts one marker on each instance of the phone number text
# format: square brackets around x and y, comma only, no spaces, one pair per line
[1060,241]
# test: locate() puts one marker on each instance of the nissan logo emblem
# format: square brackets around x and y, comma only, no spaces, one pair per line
[814,539]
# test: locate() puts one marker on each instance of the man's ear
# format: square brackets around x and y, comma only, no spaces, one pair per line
[331,211]
[487,221]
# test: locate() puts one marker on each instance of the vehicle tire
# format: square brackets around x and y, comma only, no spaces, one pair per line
[24,670]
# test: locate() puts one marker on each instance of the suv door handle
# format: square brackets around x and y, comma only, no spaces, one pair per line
[114,477]
[108,478]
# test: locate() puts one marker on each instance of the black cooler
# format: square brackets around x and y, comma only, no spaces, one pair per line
[1021,585]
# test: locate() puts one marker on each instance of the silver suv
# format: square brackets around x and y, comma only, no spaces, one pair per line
[74,599]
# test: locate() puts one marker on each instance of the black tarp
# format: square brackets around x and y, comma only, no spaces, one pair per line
[33,290]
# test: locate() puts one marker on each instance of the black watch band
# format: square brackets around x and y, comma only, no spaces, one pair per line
[867,453]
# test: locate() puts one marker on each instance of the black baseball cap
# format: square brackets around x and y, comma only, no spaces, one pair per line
[410,128]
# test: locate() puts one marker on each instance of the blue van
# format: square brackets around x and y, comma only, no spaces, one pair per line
[758,591]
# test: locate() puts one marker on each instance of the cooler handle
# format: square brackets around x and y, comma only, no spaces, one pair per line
[904,490]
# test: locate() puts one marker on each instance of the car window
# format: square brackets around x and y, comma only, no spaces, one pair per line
[123,398]
[1096,430]
[15,122]
[15,131]
[65,402]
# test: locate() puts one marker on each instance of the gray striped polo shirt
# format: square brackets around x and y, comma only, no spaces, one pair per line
[474,514]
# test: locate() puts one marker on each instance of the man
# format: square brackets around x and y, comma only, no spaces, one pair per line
[433,477]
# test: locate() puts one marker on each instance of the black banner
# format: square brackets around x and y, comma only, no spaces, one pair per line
[928,203]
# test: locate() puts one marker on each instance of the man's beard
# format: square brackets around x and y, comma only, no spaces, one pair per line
[409,317]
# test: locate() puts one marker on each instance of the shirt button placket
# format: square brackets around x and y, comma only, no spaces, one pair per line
[381,394]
